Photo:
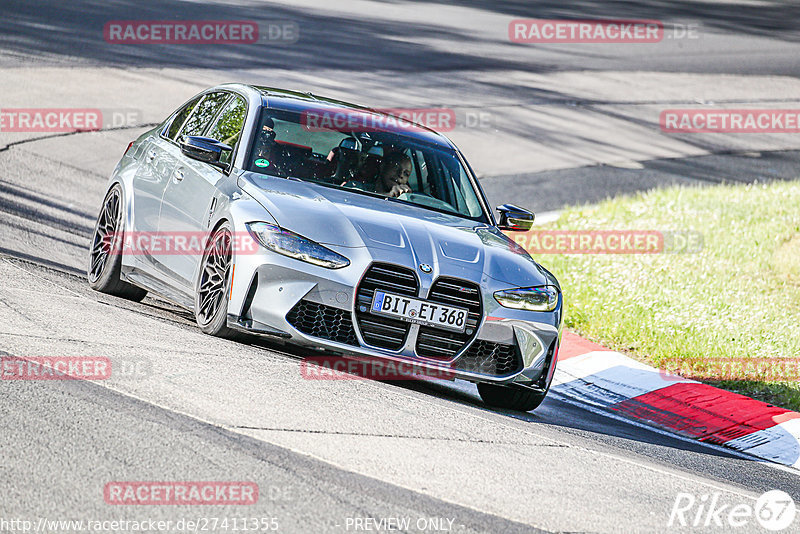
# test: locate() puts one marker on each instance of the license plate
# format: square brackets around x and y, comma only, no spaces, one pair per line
[419,311]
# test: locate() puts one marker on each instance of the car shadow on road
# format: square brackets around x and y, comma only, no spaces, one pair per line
[556,411]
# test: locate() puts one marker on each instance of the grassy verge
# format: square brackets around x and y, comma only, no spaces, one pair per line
[737,299]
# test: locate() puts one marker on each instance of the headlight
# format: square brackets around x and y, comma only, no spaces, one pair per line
[295,246]
[541,298]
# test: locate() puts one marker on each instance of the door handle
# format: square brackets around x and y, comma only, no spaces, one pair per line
[179,175]
[151,156]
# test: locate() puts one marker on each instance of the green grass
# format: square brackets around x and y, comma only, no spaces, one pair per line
[739,297]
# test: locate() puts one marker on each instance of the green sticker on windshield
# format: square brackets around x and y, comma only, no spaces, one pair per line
[262,163]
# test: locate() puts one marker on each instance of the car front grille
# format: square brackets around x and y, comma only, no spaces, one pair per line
[378,331]
[493,359]
[326,322]
[433,342]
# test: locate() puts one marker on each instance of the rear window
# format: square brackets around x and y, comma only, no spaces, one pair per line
[180,117]
[203,114]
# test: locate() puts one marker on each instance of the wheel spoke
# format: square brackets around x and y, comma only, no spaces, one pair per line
[109,215]
[211,292]
[105,235]
[97,265]
[204,307]
[98,245]
[214,284]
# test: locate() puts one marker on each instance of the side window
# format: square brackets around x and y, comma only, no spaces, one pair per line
[180,118]
[229,125]
[202,115]
[419,176]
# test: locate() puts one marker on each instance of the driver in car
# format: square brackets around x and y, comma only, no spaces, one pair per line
[266,139]
[393,177]
[392,180]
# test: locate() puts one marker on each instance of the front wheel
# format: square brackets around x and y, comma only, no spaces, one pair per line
[213,285]
[510,397]
[105,252]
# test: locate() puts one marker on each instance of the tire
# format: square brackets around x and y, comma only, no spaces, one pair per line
[105,250]
[520,398]
[213,286]
[509,397]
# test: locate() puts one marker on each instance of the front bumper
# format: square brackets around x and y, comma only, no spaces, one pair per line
[316,307]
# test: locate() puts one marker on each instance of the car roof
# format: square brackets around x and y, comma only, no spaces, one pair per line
[298,102]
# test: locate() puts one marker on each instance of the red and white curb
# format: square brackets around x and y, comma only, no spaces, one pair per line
[592,374]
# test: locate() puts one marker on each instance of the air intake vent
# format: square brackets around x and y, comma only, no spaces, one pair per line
[493,359]
[326,322]
[380,331]
[442,344]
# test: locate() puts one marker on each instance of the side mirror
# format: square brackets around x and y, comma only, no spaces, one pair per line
[205,149]
[515,218]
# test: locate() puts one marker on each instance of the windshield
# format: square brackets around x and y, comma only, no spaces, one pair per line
[368,161]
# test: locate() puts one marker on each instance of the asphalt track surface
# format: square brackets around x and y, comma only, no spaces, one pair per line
[325,453]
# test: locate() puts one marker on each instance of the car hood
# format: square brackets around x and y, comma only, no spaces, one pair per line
[396,230]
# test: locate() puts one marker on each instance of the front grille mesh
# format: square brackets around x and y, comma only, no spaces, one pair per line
[493,359]
[380,331]
[482,357]
[326,322]
[442,344]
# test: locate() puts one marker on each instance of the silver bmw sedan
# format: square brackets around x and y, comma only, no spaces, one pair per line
[287,215]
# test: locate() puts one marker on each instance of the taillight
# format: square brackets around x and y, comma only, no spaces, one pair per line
[129,147]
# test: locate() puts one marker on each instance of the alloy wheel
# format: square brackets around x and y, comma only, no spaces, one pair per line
[105,235]
[214,277]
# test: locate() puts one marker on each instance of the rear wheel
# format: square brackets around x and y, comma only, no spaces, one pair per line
[105,252]
[213,286]
[511,397]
